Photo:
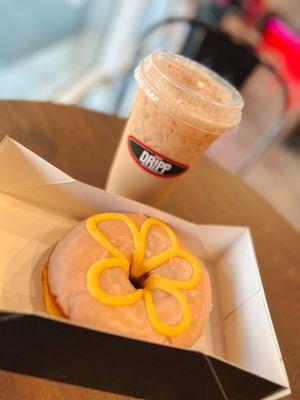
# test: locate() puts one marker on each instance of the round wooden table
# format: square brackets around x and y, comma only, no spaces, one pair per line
[82,144]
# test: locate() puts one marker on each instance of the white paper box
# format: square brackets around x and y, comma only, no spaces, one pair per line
[39,203]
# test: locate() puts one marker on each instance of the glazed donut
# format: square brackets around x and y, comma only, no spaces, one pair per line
[128,274]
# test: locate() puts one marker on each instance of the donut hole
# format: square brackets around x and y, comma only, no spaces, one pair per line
[138,283]
[135,282]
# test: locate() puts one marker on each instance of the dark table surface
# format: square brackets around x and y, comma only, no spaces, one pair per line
[82,144]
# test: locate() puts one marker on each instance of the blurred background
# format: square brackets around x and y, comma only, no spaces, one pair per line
[85,51]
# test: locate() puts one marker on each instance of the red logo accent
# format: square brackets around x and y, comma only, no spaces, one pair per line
[154,162]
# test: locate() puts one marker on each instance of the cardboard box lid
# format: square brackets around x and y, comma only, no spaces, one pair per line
[47,202]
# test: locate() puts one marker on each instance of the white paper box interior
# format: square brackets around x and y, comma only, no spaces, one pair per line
[39,203]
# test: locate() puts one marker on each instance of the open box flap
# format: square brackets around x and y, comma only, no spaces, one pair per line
[20,167]
[28,177]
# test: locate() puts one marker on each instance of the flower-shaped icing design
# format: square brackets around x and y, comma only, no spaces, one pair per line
[141,266]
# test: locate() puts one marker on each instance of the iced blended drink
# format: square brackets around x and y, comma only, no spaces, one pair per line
[181,108]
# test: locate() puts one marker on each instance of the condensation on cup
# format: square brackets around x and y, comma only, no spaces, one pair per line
[181,108]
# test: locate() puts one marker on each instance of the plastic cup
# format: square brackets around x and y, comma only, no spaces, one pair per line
[181,108]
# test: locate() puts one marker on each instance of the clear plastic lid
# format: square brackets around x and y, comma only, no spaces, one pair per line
[190,92]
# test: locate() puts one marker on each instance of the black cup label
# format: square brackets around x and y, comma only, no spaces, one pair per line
[152,161]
